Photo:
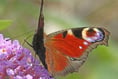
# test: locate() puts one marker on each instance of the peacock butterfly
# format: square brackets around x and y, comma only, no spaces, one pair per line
[65,51]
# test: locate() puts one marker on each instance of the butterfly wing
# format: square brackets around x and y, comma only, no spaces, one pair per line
[67,50]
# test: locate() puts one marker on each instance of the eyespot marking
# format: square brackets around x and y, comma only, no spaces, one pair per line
[92,34]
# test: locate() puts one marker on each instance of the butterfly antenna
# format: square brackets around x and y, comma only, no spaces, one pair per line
[38,39]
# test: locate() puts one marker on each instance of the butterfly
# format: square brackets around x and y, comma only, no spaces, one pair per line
[65,51]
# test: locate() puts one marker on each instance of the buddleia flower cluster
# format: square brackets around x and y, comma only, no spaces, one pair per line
[17,62]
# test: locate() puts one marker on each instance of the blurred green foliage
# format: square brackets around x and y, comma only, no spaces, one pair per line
[23,16]
[4,24]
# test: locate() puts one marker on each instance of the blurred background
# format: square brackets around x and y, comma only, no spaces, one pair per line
[21,17]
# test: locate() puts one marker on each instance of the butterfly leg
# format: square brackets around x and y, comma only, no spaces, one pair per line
[28,43]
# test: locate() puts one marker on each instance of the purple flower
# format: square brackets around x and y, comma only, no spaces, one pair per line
[17,62]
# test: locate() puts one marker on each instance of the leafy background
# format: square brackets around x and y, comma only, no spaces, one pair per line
[18,20]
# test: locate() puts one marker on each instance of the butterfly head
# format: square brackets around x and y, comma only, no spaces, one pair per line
[93,34]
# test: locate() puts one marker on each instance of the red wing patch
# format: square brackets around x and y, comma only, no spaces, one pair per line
[59,50]
[70,45]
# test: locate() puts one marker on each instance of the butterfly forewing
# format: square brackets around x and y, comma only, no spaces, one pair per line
[67,50]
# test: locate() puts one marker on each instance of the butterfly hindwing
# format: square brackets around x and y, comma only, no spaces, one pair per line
[67,50]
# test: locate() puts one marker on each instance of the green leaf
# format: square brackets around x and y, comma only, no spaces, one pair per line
[4,24]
